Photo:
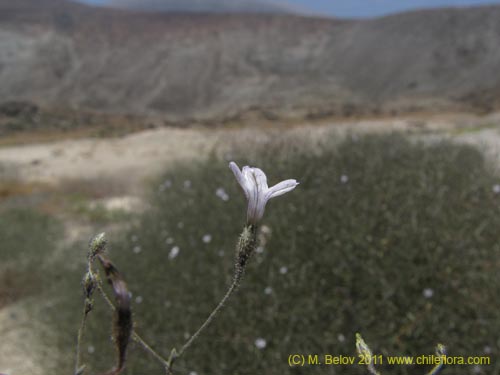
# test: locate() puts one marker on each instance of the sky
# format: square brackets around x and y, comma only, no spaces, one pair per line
[366,8]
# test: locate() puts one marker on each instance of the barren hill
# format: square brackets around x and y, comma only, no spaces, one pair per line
[210,6]
[58,54]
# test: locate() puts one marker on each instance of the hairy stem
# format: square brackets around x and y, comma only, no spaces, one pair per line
[89,285]
[81,330]
[244,249]
[211,317]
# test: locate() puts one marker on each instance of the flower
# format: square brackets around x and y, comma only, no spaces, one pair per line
[428,293]
[174,252]
[221,193]
[260,343]
[207,238]
[254,184]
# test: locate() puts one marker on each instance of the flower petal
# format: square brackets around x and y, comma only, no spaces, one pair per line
[258,179]
[240,177]
[281,188]
[257,189]
[254,184]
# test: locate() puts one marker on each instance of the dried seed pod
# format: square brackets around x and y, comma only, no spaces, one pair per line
[122,320]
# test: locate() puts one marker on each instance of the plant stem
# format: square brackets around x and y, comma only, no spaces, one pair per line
[80,339]
[89,285]
[148,348]
[244,249]
[246,246]
[212,315]
[436,369]
[106,298]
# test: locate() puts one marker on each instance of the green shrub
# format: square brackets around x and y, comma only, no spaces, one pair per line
[395,239]
[26,244]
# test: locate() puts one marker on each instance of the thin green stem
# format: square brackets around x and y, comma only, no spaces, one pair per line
[89,284]
[244,249]
[80,339]
[211,317]
[148,348]
[436,369]
[105,296]
[441,353]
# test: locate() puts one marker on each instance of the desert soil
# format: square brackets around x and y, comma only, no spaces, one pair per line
[138,156]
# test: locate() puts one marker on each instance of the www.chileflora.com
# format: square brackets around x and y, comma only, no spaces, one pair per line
[342,360]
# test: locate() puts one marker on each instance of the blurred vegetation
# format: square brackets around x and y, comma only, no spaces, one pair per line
[24,122]
[26,243]
[392,238]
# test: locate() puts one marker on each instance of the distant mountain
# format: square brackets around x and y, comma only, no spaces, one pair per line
[205,6]
[214,67]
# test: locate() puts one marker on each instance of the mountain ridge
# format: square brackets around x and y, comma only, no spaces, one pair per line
[206,6]
[213,67]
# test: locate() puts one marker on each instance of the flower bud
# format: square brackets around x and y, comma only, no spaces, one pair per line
[246,245]
[97,245]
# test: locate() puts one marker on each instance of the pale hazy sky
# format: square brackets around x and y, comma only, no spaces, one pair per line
[366,8]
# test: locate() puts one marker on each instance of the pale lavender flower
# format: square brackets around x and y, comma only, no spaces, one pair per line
[428,293]
[221,193]
[253,181]
[174,252]
[260,343]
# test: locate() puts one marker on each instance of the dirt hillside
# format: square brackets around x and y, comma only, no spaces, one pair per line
[185,67]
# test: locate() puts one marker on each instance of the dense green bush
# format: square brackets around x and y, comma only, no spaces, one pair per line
[395,239]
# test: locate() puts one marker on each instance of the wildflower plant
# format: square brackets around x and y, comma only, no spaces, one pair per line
[253,181]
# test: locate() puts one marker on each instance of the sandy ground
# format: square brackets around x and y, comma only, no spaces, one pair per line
[132,160]
[139,156]
[135,156]
[20,349]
